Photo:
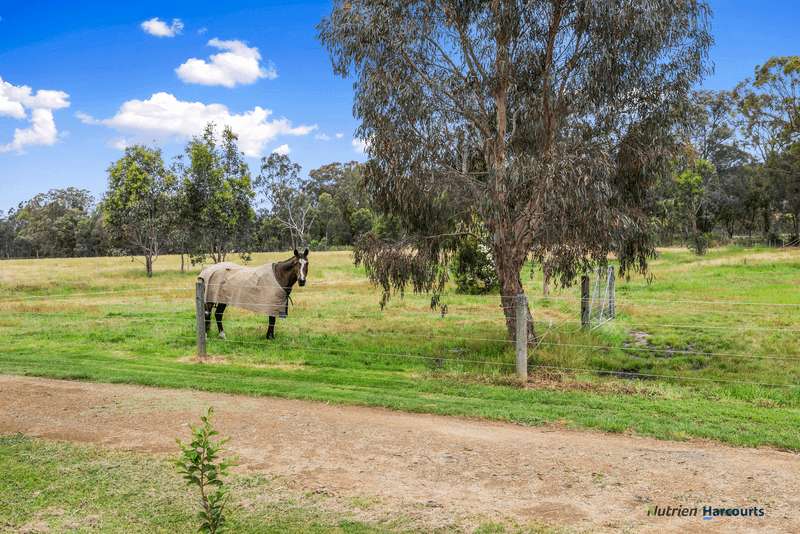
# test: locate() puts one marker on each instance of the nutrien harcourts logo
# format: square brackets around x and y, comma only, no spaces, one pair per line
[672,512]
[709,512]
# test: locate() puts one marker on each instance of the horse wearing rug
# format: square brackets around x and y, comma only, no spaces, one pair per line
[264,289]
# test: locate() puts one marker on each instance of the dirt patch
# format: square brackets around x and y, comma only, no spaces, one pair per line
[447,465]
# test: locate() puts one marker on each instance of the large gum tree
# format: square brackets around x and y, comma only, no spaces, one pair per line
[537,127]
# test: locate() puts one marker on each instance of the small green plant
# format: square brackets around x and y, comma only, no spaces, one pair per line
[200,466]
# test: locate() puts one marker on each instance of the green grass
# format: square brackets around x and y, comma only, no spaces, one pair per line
[338,346]
[63,487]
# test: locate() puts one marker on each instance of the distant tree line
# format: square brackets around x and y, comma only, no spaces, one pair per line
[59,223]
[205,205]
[738,175]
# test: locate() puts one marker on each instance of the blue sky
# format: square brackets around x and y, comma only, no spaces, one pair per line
[80,80]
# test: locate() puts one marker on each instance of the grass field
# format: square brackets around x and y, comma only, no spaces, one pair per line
[708,348]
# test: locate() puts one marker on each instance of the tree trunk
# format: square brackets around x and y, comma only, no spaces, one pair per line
[148,262]
[509,278]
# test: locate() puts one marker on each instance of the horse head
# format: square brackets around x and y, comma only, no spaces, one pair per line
[301,261]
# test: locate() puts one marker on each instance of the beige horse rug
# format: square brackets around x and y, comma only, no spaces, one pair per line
[251,288]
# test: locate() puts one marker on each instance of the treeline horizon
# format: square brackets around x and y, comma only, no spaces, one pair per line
[739,175]
[207,204]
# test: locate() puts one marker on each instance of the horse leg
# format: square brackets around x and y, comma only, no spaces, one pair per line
[208,307]
[218,315]
[271,329]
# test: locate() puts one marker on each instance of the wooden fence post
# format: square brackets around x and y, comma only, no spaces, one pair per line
[522,337]
[613,289]
[199,299]
[585,302]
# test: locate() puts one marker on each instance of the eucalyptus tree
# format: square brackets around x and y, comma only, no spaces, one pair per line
[535,127]
[218,195]
[693,187]
[341,182]
[769,105]
[288,199]
[711,129]
[8,233]
[138,205]
[48,223]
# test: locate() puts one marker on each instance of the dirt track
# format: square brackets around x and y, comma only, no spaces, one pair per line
[587,480]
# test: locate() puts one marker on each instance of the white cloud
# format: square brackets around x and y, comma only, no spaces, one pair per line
[163,116]
[120,143]
[282,150]
[360,145]
[16,100]
[14,97]
[339,136]
[160,28]
[86,119]
[201,31]
[11,108]
[238,65]
[41,132]
[323,137]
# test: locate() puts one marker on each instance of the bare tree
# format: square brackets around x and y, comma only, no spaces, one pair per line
[287,197]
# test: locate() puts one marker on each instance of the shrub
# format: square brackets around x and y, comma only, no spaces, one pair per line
[699,243]
[474,268]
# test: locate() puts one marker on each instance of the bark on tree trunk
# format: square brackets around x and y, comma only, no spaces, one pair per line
[509,278]
[148,262]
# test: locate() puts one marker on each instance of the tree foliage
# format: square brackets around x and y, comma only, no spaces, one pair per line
[59,223]
[218,195]
[769,105]
[139,204]
[544,122]
[288,197]
[319,209]
[473,268]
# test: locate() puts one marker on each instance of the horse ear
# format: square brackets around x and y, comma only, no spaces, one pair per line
[296,254]
[305,253]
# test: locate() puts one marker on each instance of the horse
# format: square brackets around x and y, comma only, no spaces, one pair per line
[286,273]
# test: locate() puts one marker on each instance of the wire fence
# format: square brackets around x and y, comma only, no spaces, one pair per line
[318,314]
[601,307]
